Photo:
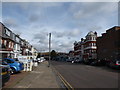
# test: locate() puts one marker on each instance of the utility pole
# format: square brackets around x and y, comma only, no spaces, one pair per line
[49,49]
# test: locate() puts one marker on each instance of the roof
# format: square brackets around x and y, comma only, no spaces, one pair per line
[90,33]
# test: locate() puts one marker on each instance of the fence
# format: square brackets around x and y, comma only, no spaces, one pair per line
[28,66]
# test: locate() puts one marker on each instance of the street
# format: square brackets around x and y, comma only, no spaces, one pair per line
[86,76]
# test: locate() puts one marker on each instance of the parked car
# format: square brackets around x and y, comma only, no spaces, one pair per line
[69,60]
[76,60]
[15,66]
[5,72]
[98,63]
[114,64]
[38,60]
[42,59]
[88,61]
[35,60]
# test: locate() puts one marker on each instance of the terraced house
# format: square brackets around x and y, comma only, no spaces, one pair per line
[7,42]
[12,45]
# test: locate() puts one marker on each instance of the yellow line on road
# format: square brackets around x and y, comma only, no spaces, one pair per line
[66,82]
[63,80]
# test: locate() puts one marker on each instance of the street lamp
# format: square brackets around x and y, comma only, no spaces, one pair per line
[49,49]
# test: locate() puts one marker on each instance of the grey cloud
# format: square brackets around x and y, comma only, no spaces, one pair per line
[10,22]
[91,9]
[33,18]
[41,38]
[41,47]
[50,4]
[65,45]
[17,32]
[0,11]
[60,41]
[95,28]
[41,35]
[74,33]
[58,34]
[67,34]
[39,5]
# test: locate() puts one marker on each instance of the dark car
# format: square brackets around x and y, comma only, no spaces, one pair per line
[114,64]
[69,60]
[15,66]
[4,72]
[98,63]
[88,61]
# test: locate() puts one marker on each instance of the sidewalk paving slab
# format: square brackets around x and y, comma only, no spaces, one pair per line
[41,77]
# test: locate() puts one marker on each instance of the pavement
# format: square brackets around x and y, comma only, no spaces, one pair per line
[41,77]
[15,78]
[86,76]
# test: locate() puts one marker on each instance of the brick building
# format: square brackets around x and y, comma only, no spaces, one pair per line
[7,41]
[79,49]
[76,49]
[86,48]
[108,45]
[90,47]
[12,45]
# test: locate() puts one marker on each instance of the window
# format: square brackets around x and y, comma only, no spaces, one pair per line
[7,32]
[89,44]
[3,46]
[5,42]
[22,42]
[91,38]
[9,44]
[17,39]
[13,37]
[94,44]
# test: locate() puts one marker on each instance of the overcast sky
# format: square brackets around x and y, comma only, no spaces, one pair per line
[67,21]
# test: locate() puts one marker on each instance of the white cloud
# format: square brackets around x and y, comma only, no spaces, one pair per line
[10,22]
[67,33]
[85,17]
[61,1]
[92,9]
[0,11]
[39,5]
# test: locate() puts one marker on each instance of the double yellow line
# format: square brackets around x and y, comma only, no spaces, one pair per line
[67,85]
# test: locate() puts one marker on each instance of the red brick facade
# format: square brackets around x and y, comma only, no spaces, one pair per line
[86,48]
[108,45]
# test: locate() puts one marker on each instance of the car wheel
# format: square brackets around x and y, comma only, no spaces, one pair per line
[12,71]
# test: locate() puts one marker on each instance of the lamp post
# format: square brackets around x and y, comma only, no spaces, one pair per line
[49,49]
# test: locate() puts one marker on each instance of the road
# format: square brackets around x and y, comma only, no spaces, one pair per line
[86,76]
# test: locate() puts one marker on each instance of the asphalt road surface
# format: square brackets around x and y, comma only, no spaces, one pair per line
[86,76]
